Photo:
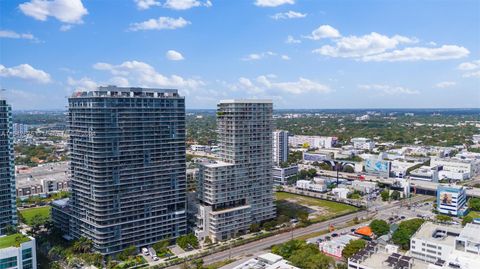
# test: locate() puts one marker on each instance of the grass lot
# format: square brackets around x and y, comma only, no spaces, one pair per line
[474,214]
[331,209]
[13,240]
[29,213]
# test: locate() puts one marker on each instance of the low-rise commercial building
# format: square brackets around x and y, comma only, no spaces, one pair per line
[455,165]
[443,245]
[266,261]
[310,185]
[335,246]
[341,192]
[362,143]
[282,174]
[310,157]
[312,141]
[61,215]
[364,186]
[18,252]
[452,200]
[426,173]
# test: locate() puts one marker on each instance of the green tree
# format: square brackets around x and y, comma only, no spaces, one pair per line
[379,227]
[254,227]
[385,195]
[185,241]
[395,195]
[467,219]
[405,230]
[127,253]
[443,218]
[82,245]
[353,247]
[474,204]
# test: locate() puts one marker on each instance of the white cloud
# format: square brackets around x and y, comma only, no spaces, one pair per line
[161,23]
[324,31]
[475,74]
[445,84]
[360,46]
[146,4]
[288,15]
[143,74]
[173,55]
[444,52]
[185,4]
[467,66]
[273,3]
[258,56]
[66,27]
[67,11]
[388,89]
[291,40]
[285,57]
[25,71]
[84,83]
[265,85]
[12,34]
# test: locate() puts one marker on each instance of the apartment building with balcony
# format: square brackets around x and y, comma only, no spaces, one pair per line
[237,191]
[127,149]
[8,208]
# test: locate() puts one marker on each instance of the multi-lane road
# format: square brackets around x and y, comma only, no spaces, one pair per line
[260,245]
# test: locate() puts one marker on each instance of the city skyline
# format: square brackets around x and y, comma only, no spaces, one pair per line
[300,54]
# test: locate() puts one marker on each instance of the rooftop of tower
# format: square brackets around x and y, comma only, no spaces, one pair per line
[246,101]
[114,91]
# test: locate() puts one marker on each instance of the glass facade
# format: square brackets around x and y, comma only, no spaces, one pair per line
[127,148]
[8,210]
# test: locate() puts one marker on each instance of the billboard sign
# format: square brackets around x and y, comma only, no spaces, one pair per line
[445,198]
[376,166]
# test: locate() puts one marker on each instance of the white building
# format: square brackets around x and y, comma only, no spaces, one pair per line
[280,147]
[476,138]
[282,174]
[455,165]
[341,192]
[310,185]
[425,173]
[362,143]
[436,243]
[452,200]
[199,147]
[312,141]
[23,256]
[266,261]
[364,186]
[335,246]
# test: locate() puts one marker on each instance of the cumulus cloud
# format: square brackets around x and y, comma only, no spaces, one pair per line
[265,84]
[285,57]
[12,34]
[445,84]
[25,71]
[146,4]
[291,40]
[173,55]
[472,69]
[444,52]
[258,56]
[273,3]
[84,83]
[66,11]
[66,27]
[475,74]
[185,4]
[359,46]
[388,89]
[162,23]
[324,31]
[288,15]
[143,74]
[467,66]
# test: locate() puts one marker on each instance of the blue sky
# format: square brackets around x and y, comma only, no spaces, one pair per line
[300,53]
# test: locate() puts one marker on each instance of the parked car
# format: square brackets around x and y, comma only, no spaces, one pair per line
[145,251]
[155,258]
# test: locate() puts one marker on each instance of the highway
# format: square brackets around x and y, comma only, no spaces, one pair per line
[257,246]
[424,185]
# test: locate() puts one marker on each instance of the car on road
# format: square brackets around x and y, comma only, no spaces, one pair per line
[402,217]
[145,251]
[327,238]
[334,235]
[155,258]
[353,230]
